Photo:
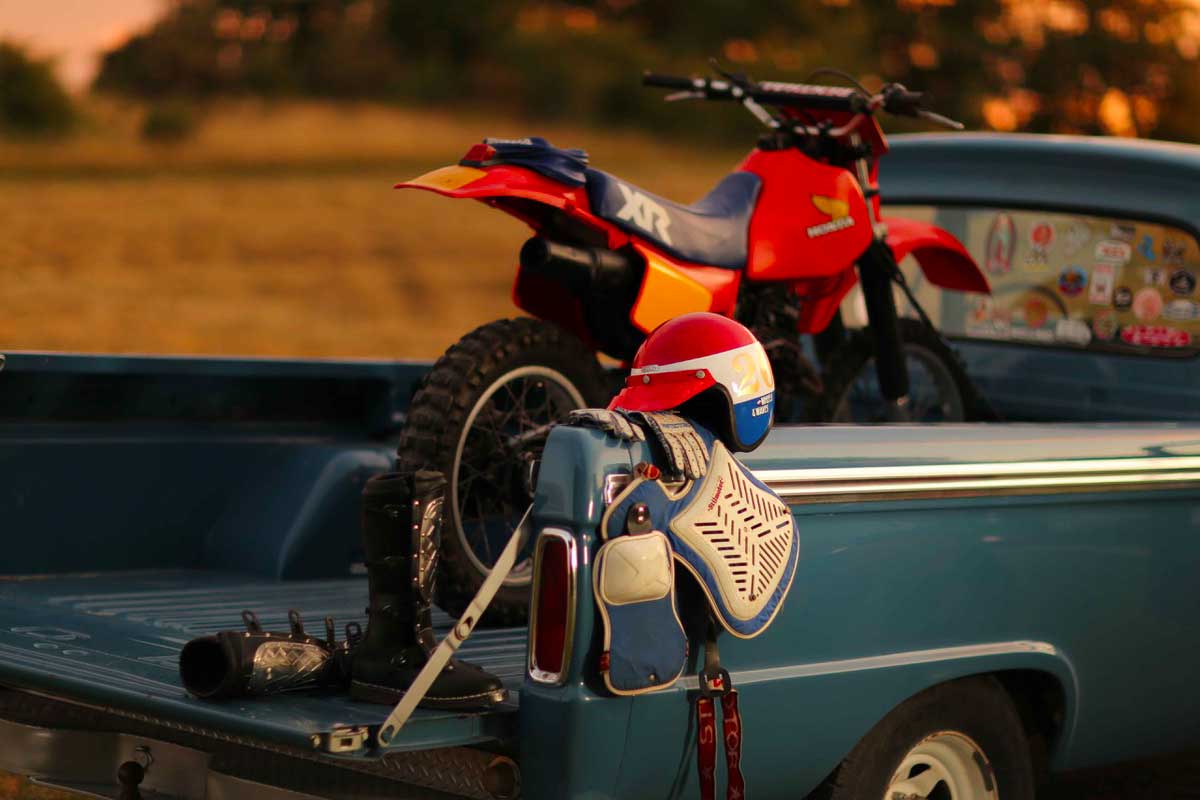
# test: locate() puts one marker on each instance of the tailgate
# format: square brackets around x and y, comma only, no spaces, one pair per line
[113,641]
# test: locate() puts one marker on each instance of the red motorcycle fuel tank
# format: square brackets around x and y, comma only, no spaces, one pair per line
[810,220]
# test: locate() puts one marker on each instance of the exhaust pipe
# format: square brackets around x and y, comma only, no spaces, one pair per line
[579,268]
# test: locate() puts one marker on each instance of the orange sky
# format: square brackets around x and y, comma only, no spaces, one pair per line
[74,31]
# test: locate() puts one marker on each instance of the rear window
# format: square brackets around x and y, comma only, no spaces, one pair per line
[1069,280]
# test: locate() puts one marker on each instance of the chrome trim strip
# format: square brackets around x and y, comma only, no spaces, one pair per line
[886,661]
[535,673]
[824,485]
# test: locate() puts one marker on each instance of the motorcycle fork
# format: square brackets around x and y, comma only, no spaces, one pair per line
[875,269]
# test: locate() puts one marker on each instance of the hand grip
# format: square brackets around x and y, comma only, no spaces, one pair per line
[666,81]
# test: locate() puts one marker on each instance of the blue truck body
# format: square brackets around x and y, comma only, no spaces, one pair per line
[144,501]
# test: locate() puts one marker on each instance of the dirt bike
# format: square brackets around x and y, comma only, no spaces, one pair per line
[775,245]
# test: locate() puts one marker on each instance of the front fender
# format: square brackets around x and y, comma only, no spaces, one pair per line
[943,259]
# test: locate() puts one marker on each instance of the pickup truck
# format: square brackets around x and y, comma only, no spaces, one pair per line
[1034,579]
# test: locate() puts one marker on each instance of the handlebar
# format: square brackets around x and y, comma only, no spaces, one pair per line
[668,81]
[829,98]
[893,98]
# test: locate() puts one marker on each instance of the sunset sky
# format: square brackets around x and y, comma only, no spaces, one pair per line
[74,31]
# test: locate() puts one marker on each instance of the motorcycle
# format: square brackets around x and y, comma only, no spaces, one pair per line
[777,244]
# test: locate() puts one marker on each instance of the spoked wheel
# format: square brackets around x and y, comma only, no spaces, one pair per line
[939,389]
[482,416]
[961,740]
[947,765]
[503,435]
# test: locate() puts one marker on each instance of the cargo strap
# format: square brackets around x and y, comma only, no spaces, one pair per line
[457,635]
[715,681]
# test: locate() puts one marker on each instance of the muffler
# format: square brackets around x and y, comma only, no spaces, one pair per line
[579,268]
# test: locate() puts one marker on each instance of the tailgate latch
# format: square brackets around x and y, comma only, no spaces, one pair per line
[341,740]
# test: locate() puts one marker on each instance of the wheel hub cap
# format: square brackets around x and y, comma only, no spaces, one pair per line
[945,766]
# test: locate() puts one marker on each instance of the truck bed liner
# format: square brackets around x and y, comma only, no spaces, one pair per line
[113,639]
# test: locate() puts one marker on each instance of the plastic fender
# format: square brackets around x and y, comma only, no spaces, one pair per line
[943,259]
[499,181]
[810,220]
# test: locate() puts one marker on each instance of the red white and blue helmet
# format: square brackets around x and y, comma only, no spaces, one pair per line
[710,368]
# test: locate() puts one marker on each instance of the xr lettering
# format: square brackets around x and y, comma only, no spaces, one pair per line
[645,213]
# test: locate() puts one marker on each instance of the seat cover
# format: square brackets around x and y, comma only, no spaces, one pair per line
[713,231]
[563,165]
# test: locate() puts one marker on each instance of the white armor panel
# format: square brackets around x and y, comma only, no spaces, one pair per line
[742,533]
[636,569]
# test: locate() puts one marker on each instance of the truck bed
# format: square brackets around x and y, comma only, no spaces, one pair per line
[112,640]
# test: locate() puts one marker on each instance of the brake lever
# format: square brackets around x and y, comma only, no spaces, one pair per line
[691,94]
[938,119]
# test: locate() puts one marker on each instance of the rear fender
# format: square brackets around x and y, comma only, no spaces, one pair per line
[473,183]
[943,259]
[545,205]
[536,200]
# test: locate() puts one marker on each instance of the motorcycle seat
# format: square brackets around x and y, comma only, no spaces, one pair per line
[712,231]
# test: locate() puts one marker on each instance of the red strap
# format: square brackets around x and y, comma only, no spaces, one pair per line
[706,747]
[733,746]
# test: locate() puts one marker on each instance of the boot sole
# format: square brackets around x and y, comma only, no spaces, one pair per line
[385,695]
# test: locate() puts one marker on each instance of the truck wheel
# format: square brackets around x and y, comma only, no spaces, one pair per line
[940,390]
[961,740]
[481,416]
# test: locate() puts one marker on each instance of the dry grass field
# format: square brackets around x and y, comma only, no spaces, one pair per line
[274,232]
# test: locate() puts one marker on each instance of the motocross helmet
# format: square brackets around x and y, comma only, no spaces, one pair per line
[710,369]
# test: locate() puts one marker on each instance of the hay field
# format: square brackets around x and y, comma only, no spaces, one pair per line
[274,232]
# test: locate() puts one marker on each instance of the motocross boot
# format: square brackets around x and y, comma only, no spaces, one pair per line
[402,517]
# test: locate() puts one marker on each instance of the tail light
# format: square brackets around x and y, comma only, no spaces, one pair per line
[552,607]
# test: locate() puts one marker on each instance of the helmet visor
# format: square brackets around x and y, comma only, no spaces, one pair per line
[661,391]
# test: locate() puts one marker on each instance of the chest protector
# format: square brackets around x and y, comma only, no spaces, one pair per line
[728,529]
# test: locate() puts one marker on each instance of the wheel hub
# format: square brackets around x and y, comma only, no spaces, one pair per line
[947,765]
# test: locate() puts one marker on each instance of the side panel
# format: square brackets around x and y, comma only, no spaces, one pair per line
[670,288]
